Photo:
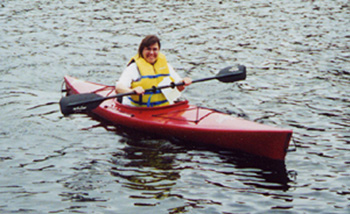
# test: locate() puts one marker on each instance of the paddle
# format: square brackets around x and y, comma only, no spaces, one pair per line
[89,101]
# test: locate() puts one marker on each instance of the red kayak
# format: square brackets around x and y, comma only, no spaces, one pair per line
[189,123]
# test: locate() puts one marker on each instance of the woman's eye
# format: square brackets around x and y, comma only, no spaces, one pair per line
[150,49]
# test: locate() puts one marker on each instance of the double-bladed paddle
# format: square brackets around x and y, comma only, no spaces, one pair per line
[89,101]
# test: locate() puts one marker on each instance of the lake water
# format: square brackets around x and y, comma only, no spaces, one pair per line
[297,55]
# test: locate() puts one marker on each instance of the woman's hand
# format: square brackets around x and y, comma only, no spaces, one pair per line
[139,90]
[187,81]
[120,88]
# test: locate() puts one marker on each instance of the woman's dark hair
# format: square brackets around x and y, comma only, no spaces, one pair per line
[148,41]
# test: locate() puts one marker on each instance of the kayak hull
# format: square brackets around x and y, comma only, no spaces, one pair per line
[189,123]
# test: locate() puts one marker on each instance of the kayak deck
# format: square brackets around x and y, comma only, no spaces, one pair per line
[189,123]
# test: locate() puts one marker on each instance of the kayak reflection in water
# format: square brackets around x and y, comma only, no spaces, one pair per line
[147,69]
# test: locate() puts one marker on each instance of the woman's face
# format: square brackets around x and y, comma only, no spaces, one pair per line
[150,53]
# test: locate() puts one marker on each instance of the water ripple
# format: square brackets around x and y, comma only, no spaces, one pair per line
[297,57]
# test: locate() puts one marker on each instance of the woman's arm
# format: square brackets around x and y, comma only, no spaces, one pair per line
[123,85]
[177,78]
[121,88]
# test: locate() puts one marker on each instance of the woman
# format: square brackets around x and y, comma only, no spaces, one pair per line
[146,69]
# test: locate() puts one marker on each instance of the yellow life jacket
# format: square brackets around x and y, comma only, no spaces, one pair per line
[150,75]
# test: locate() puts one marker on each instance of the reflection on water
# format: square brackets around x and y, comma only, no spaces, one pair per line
[153,168]
[297,53]
[147,166]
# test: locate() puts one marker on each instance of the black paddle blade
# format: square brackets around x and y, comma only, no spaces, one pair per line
[229,74]
[78,103]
